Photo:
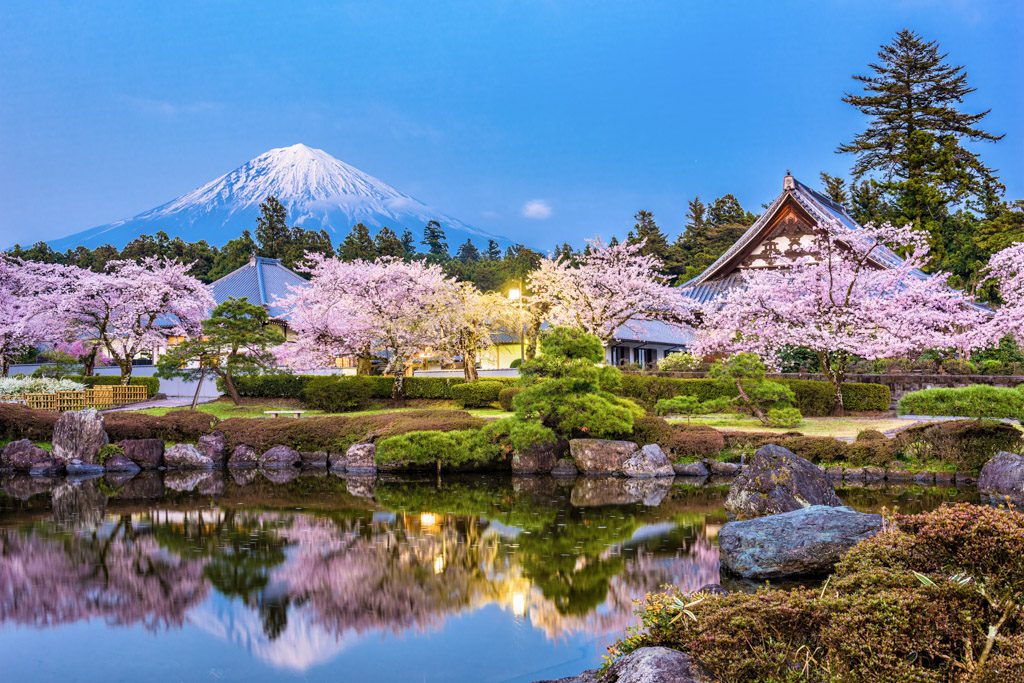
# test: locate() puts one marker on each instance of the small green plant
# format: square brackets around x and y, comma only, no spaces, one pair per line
[107,452]
[786,418]
[690,406]
[756,395]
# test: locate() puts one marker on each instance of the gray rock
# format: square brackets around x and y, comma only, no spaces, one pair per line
[564,467]
[24,456]
[853,474]
[359,459]
[536,460]
[964,479]
[120,463]
[777,480]
[79,435]
[1003,477]
[601,456]
[279,458]
[834,473]
[690,469]
[924,478]
[185,456]
[873,473]
[647,463]
[945,478]
[645,665]
[77,467]
[314,459]
[243,457]
[899,476]
[214,446]
[146,453]
[723,469]
[803,542]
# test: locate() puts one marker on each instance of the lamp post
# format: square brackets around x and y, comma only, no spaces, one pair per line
[516,294]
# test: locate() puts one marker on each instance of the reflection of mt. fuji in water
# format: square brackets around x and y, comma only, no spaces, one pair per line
[301,645]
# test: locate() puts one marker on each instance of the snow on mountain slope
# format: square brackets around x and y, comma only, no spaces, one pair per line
[320,192]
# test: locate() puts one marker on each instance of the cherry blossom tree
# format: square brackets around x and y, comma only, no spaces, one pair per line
[388,307]
[1006,270]
[25,317]
[606,288]
[850,296]
[468,321]
[132,306]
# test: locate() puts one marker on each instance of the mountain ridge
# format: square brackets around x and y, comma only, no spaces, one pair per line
[319,191]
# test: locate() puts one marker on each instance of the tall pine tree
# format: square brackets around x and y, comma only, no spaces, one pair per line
[272,231]
[436,242]
[357,245]
[387,243]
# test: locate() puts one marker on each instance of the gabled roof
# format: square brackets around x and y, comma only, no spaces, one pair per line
[261,281]
[654,332]
[825,212]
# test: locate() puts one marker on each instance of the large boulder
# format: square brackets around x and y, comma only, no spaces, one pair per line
[691,469]
[564,467]
[601,456]
[279,458]
[776,480]
[723,469]
[536,460]
[25,456]
[244,457]
[185,456]
[1003,477]
[214,446]
[358,459]
[146,453]
[803,542]
[119,462]
[645,665]
[79,435]
[647,463]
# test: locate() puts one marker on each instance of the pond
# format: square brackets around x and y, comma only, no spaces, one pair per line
[315,577]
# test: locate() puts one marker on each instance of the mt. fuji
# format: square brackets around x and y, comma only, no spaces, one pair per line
[319,191]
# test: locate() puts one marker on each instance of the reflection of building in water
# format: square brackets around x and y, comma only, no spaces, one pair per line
[292,588]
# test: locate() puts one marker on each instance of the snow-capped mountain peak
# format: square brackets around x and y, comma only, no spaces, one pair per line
[319,191]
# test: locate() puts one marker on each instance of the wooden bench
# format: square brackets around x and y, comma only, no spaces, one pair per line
[284,411]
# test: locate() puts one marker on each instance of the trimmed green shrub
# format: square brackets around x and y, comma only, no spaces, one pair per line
[176,425]
[916,602]
[457,449]
[274,385]
[813,397]
[107,452]
[335,433]
[870,435]
[505,397]
[20,422]
[480,394]
[284,385]
[338,394]
[966,444]
[977,400]
[785,418]
[680,442]
[152,384]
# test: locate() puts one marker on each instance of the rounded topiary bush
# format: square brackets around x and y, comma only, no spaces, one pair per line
[506,395]
[870,435]
[680,442]
[480,394]
[338,394]
[966,444]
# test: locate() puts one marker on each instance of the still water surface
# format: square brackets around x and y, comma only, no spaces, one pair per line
[208,577]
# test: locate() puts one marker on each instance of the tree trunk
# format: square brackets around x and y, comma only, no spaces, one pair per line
[199,385]
[5,366]
[364,364]
[126,371]
[835,373]
[89,362]
[469,366]
[758,413]
[398,388]
[532,332]
[229,384]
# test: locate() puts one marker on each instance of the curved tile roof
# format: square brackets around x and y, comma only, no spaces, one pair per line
[261,281]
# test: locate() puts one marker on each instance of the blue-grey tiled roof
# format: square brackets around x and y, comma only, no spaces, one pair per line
[261,281]
[654,332]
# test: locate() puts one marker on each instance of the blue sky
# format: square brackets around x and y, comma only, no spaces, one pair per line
[543,121]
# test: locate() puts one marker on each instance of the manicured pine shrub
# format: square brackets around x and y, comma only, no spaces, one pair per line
[481,394]
[977,400]
[965,444]
[459,449]
[505,397]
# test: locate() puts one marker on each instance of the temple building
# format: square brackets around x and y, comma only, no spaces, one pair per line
[786,230]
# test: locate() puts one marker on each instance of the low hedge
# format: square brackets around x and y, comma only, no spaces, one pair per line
[505,397]
[338,394]
[19,422]
[680,442]
[285,385]
[335,433]
[977,400]
[152,384]
[813,397]
[481,394]
[820,449]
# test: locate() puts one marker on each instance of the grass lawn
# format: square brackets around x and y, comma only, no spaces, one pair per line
[837,427]
[224,409]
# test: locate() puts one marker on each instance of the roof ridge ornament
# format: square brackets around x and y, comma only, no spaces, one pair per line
[788,183]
